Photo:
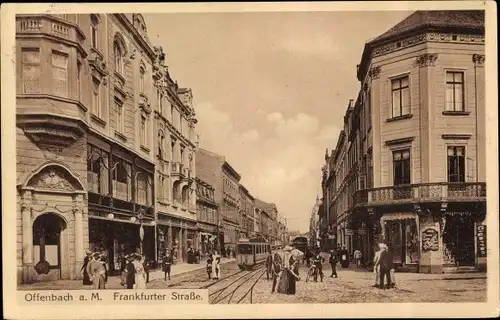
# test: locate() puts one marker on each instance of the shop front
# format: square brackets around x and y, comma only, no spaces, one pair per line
[401,234]
[117,238]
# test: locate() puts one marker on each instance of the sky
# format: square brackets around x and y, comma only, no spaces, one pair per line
[270,90]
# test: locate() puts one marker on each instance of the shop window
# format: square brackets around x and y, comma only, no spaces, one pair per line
[456,164]
[400,97]
[454,91]
[31,70]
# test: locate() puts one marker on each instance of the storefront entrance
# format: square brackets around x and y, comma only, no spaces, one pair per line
[402,239]
[458,240]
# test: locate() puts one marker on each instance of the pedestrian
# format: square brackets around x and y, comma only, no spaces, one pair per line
[97,272]
[386,264]
[86,260]
[333,263]
[318,263]
[209,267]
[167,265]
[357,258]
[276,269]
[376,267]
[130,269]
[190,255]
[89,269]
[289,277]
[140,274]
[123,270]
[147,267]
[216,265]
[102,259]
[344,257]
[269,266]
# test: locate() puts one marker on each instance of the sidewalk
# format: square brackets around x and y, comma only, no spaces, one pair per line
[113,281]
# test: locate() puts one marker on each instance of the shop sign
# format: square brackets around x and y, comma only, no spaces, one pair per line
[430,240]
[481,240]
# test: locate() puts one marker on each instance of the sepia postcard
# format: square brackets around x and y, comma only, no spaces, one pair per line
[191,160]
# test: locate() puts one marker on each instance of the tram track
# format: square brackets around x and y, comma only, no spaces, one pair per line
[236,287]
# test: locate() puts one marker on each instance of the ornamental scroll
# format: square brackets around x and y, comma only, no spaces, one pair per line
[430,240]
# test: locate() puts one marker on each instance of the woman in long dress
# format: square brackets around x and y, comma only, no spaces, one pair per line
[140,273]
[98,272]
[289,277]
[216,265]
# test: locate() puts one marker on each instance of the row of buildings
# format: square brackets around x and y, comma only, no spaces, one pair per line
[409,166]
[107,153]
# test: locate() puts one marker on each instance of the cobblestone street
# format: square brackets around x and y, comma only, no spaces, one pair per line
[353,285]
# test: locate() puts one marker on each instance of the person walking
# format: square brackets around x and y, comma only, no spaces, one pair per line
[130,272]
[376,267]
[386,264]
[97,272]
[147,267]
[357,258]
[269,266]
[140,274]
[276,269]
[209,267]
[86,260]
[216,265]
[333,263]
[344,257]
[167,265]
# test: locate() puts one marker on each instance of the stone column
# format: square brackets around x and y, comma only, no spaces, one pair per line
[478,60]
[427,111]
[27,237]
[180,244]
[78,235]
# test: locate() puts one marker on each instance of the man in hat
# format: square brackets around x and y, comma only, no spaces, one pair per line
[86,260]
[130,271]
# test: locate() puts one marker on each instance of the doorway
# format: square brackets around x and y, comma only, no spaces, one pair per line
[47,230]
[458,240]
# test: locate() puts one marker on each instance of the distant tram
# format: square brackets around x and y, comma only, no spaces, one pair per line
[250,252]
[301,243]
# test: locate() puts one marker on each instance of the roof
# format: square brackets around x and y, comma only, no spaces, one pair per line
[458,21]
[466,19]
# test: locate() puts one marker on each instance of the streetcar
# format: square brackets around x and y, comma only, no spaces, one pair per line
[250,252]
[301,243]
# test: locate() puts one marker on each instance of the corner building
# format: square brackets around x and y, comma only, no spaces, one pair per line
[419,127]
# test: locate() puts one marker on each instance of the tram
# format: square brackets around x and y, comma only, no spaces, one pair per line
[250,252]
[301,243]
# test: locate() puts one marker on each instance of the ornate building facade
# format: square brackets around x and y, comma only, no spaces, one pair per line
[246,212]
[207,216]
[416,145]
[89,91]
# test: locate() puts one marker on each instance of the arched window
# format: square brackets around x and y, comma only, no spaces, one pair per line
[118,54]
[94,31]
[142,75]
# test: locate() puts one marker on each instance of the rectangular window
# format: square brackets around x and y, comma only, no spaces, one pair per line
[400,97]
[143,131]
[31,70]
[456,164]
[454,91]
[96,96]
[60,73]
[172,113]
[141,82]
[119,116]
[401,165]
[93,36]
[160,102]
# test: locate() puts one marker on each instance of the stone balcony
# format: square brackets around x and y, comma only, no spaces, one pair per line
[177,169]
[439,192]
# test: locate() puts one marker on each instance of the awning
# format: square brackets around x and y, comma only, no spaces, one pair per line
[398,216]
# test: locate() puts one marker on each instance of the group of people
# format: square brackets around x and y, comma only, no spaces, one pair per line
[213,265]
[134,271]
[283,270]
[95,273]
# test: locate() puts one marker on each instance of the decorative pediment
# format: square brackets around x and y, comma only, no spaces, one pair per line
[54,178]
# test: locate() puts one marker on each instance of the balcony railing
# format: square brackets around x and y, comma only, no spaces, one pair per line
[101,200]
[418,193]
